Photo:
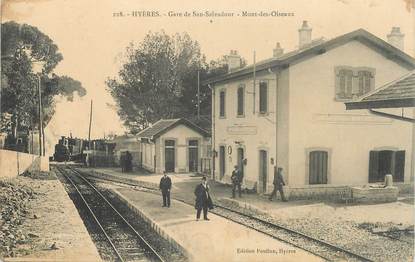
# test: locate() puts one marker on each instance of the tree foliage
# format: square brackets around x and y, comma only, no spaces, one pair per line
[159,80]
[22,46]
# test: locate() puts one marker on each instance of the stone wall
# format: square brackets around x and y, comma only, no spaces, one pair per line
[323,192]
[14,163]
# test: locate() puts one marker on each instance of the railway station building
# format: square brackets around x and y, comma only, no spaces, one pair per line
[175,146]
[289,111]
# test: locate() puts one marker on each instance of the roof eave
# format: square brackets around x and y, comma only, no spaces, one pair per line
[384,103]
[359,35]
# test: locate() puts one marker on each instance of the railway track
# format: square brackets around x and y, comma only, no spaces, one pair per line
[295,238]
[300,240]
[127,244]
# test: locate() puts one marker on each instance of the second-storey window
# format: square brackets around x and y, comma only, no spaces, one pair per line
[365,79]
[346,83]
[241,98]
[263,97]
[352,82]
[222,104]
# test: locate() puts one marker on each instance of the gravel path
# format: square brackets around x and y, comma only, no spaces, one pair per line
[347,234]
[39,221]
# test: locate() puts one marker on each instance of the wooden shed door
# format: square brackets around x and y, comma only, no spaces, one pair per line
[193,155]
[263,171]
[318,167]
[241,159]
[169,155]
[399,166]
[386,162]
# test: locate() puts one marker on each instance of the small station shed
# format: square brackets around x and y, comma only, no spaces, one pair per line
[176,146]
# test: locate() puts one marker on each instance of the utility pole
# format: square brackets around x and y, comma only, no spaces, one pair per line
[89,132]
[198,95]
[254,82]
[41,139]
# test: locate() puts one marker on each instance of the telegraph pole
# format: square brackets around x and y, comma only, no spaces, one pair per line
[89,132]
[198,94]
[41,139]
[254,73]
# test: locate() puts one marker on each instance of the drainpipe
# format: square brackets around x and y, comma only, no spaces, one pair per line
[254,78]
[412,176]
[276,115]
[213,129]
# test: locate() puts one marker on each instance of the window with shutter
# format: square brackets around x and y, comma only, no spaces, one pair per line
[352,82]
[263,97]
[241,97]
[346,82]
[222,104]
[365,78]
[318,164]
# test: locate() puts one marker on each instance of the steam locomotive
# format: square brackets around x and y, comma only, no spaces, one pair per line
[69,149]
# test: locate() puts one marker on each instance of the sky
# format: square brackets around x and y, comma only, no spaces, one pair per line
[92,38]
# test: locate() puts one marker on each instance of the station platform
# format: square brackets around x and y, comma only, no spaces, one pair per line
[400,212]
[216,240]
[53,222]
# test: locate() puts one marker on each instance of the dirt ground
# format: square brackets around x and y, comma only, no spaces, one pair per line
[396,212]
[50,227]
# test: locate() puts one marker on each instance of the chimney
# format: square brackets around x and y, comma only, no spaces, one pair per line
[278,51]
[395,38]
[234,61]
[304,34]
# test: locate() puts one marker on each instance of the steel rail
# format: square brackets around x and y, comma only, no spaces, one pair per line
[291,231]
[310,238]
[92,213]
[147,245]
[154,252]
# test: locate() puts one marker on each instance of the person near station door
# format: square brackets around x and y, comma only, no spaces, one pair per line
[122,162]
[237,178]
[203,199]
[278,184]
[128,162]
[165,187]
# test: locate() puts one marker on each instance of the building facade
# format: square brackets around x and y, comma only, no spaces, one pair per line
[291,113]
[176,146]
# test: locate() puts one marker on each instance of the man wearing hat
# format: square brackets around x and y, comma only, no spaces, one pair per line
[203,199]
[236,178]
[165,186]
[278,184]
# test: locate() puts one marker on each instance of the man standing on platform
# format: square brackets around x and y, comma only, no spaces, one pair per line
[128,162]
[203,200]
[165,186]
[237,178]
[278,184]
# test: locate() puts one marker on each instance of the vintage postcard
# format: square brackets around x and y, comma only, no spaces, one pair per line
[207,130]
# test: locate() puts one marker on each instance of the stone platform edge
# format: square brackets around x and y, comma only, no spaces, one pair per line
[114,178]
[153,224]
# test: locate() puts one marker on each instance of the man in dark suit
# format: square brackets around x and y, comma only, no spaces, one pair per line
[278,184]
[128,162]
[165,186]
[203,200]
[237,178]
